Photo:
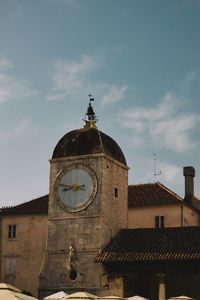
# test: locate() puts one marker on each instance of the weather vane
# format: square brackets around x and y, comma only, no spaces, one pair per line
[154,173]
[90,117]
[91,97]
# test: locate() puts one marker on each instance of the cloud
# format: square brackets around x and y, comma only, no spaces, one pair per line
[71,75]
[170,173]
[21,129]
[114,94]
[5,64]
[189,77]
[164,124]
[143,115]
[10,88]
[187,81]
[175,132]
[108,93]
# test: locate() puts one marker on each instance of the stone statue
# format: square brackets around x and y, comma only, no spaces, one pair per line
[70,258]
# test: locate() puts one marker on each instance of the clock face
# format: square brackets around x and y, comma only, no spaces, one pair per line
[75,187]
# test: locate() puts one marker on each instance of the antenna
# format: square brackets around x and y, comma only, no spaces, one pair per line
[154,173]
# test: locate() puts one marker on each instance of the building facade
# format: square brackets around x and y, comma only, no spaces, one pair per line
[93,232]
[23,241]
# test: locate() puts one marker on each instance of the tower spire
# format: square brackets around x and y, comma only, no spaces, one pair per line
[90,117]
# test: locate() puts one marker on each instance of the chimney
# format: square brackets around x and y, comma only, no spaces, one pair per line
[189,173]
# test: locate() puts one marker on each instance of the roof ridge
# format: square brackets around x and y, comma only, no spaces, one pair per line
[14,206]
[100,139]
[151,194]
[152,183]
[163,187]
[169,191]
[35,206]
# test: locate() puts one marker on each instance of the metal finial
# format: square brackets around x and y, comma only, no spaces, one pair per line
[90,117]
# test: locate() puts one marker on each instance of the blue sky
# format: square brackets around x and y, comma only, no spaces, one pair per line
[141,61]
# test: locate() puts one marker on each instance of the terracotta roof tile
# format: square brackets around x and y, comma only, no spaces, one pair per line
[153,245]
[151,194]
[36,206]
[138,195]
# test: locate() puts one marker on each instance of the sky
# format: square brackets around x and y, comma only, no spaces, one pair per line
[140,59]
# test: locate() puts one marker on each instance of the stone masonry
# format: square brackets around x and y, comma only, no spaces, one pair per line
[87,231]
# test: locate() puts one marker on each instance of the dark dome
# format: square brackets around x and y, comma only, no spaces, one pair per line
[88,141]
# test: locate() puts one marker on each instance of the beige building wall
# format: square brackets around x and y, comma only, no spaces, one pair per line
[144,217]
[27,249]
[190,216]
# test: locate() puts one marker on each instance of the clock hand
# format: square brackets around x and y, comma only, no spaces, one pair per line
[74,187]
[62,184]
[81,187]
[68,188]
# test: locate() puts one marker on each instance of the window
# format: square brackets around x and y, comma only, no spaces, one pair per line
[12,231]
[159,221]
[116,192]
[73,275]
[10,266]
[162,221]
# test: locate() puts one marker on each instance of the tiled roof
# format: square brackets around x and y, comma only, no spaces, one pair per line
[153,245]
[151,194]
[138,195]
[36,206]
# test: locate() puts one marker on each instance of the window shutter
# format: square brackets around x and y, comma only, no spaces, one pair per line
[10,266]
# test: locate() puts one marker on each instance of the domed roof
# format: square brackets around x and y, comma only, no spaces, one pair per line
[88,140]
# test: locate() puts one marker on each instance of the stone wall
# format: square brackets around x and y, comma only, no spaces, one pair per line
[87,231]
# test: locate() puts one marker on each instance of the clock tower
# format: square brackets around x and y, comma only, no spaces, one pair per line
[87,207]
